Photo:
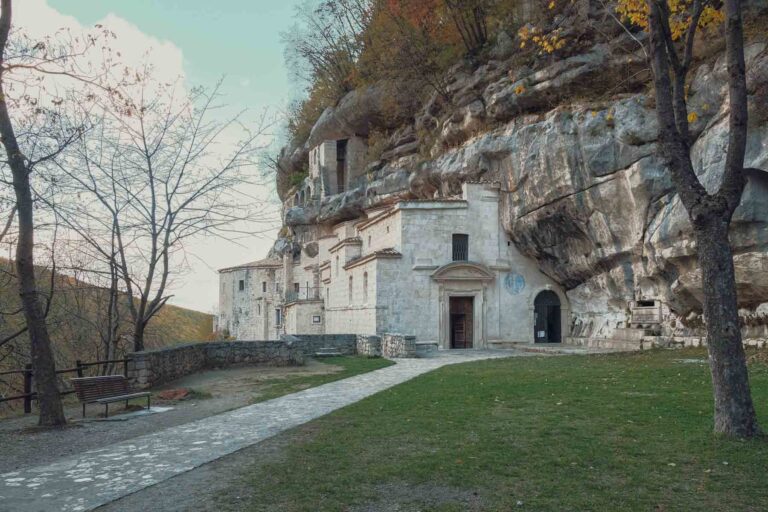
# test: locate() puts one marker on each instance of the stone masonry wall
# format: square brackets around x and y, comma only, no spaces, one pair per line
[369,345]
[398,345]
[309,344]
[155,367]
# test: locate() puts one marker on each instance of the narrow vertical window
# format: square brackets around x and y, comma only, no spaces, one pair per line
[278,317]
[337,266]
[349,293]
[341,165]
[264,287]
[241,285]
[460,247]
[365,288]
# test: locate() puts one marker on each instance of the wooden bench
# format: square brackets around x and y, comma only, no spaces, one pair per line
[105,390]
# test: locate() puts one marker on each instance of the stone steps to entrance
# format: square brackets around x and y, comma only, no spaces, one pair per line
[622,344]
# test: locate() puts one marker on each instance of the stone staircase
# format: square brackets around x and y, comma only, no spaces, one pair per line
[643,332]
[625,338]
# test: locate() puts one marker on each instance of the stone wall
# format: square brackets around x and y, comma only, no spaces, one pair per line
[398,345]
[369,345]
[310,344]
[155,367]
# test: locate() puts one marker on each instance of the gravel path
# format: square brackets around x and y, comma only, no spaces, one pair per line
[24,445]
[88,480]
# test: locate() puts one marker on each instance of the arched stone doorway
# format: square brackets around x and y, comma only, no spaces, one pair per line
[546,320]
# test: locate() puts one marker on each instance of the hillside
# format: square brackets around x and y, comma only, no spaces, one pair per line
[76,319]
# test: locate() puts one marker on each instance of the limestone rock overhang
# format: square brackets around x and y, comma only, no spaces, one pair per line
[463,271]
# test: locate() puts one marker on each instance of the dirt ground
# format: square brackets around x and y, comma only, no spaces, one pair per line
[216,391]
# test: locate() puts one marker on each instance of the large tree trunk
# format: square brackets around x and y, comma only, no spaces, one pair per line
[710,214]
[138,336]
[43,364]
[734,411]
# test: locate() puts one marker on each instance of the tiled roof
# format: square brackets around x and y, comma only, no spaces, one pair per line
[353,240]
[267,262]
[387,252]
[381,253]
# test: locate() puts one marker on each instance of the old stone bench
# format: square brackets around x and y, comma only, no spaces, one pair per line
[105,390]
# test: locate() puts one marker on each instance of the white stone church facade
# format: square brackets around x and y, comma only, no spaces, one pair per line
[442,270]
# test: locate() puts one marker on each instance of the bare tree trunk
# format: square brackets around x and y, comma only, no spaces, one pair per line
[710,214]
[734,411]
[43,364]
[138,335]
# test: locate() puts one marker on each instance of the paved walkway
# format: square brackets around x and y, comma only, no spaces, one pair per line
[100,476]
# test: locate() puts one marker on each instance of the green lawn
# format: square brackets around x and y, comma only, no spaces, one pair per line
[611,432]
[351,366]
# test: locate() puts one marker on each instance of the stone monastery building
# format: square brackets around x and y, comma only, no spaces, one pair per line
[441,270]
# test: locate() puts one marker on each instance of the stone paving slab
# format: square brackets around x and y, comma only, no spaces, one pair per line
[100,476]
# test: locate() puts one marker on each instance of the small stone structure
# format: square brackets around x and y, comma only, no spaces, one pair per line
[387,345]
[369,345]
[398,345]
[154,367]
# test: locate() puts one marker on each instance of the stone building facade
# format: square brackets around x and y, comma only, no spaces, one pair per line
[441,270]
[251,300]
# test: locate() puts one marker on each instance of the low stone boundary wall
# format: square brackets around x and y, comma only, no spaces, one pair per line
[154,367]
[398,345]
[310,344]
[369,345]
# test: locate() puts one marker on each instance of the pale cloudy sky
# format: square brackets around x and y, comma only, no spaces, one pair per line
[202,41]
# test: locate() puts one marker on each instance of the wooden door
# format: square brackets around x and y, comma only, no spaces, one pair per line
[462,319]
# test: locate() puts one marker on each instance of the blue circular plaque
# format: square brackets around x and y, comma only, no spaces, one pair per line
[514,283]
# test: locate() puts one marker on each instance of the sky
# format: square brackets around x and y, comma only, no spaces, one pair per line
[203,42]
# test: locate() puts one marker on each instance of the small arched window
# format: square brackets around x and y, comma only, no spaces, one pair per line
[365,288]
[337,266]
[350,290]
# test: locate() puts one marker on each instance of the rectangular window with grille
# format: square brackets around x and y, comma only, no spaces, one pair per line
[460,247]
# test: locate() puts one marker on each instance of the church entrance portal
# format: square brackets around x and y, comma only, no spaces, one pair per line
[462,319]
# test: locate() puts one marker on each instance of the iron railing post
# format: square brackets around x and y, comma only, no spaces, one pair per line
[27,389]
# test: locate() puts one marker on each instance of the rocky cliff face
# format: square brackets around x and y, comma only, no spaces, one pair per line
[584,193]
